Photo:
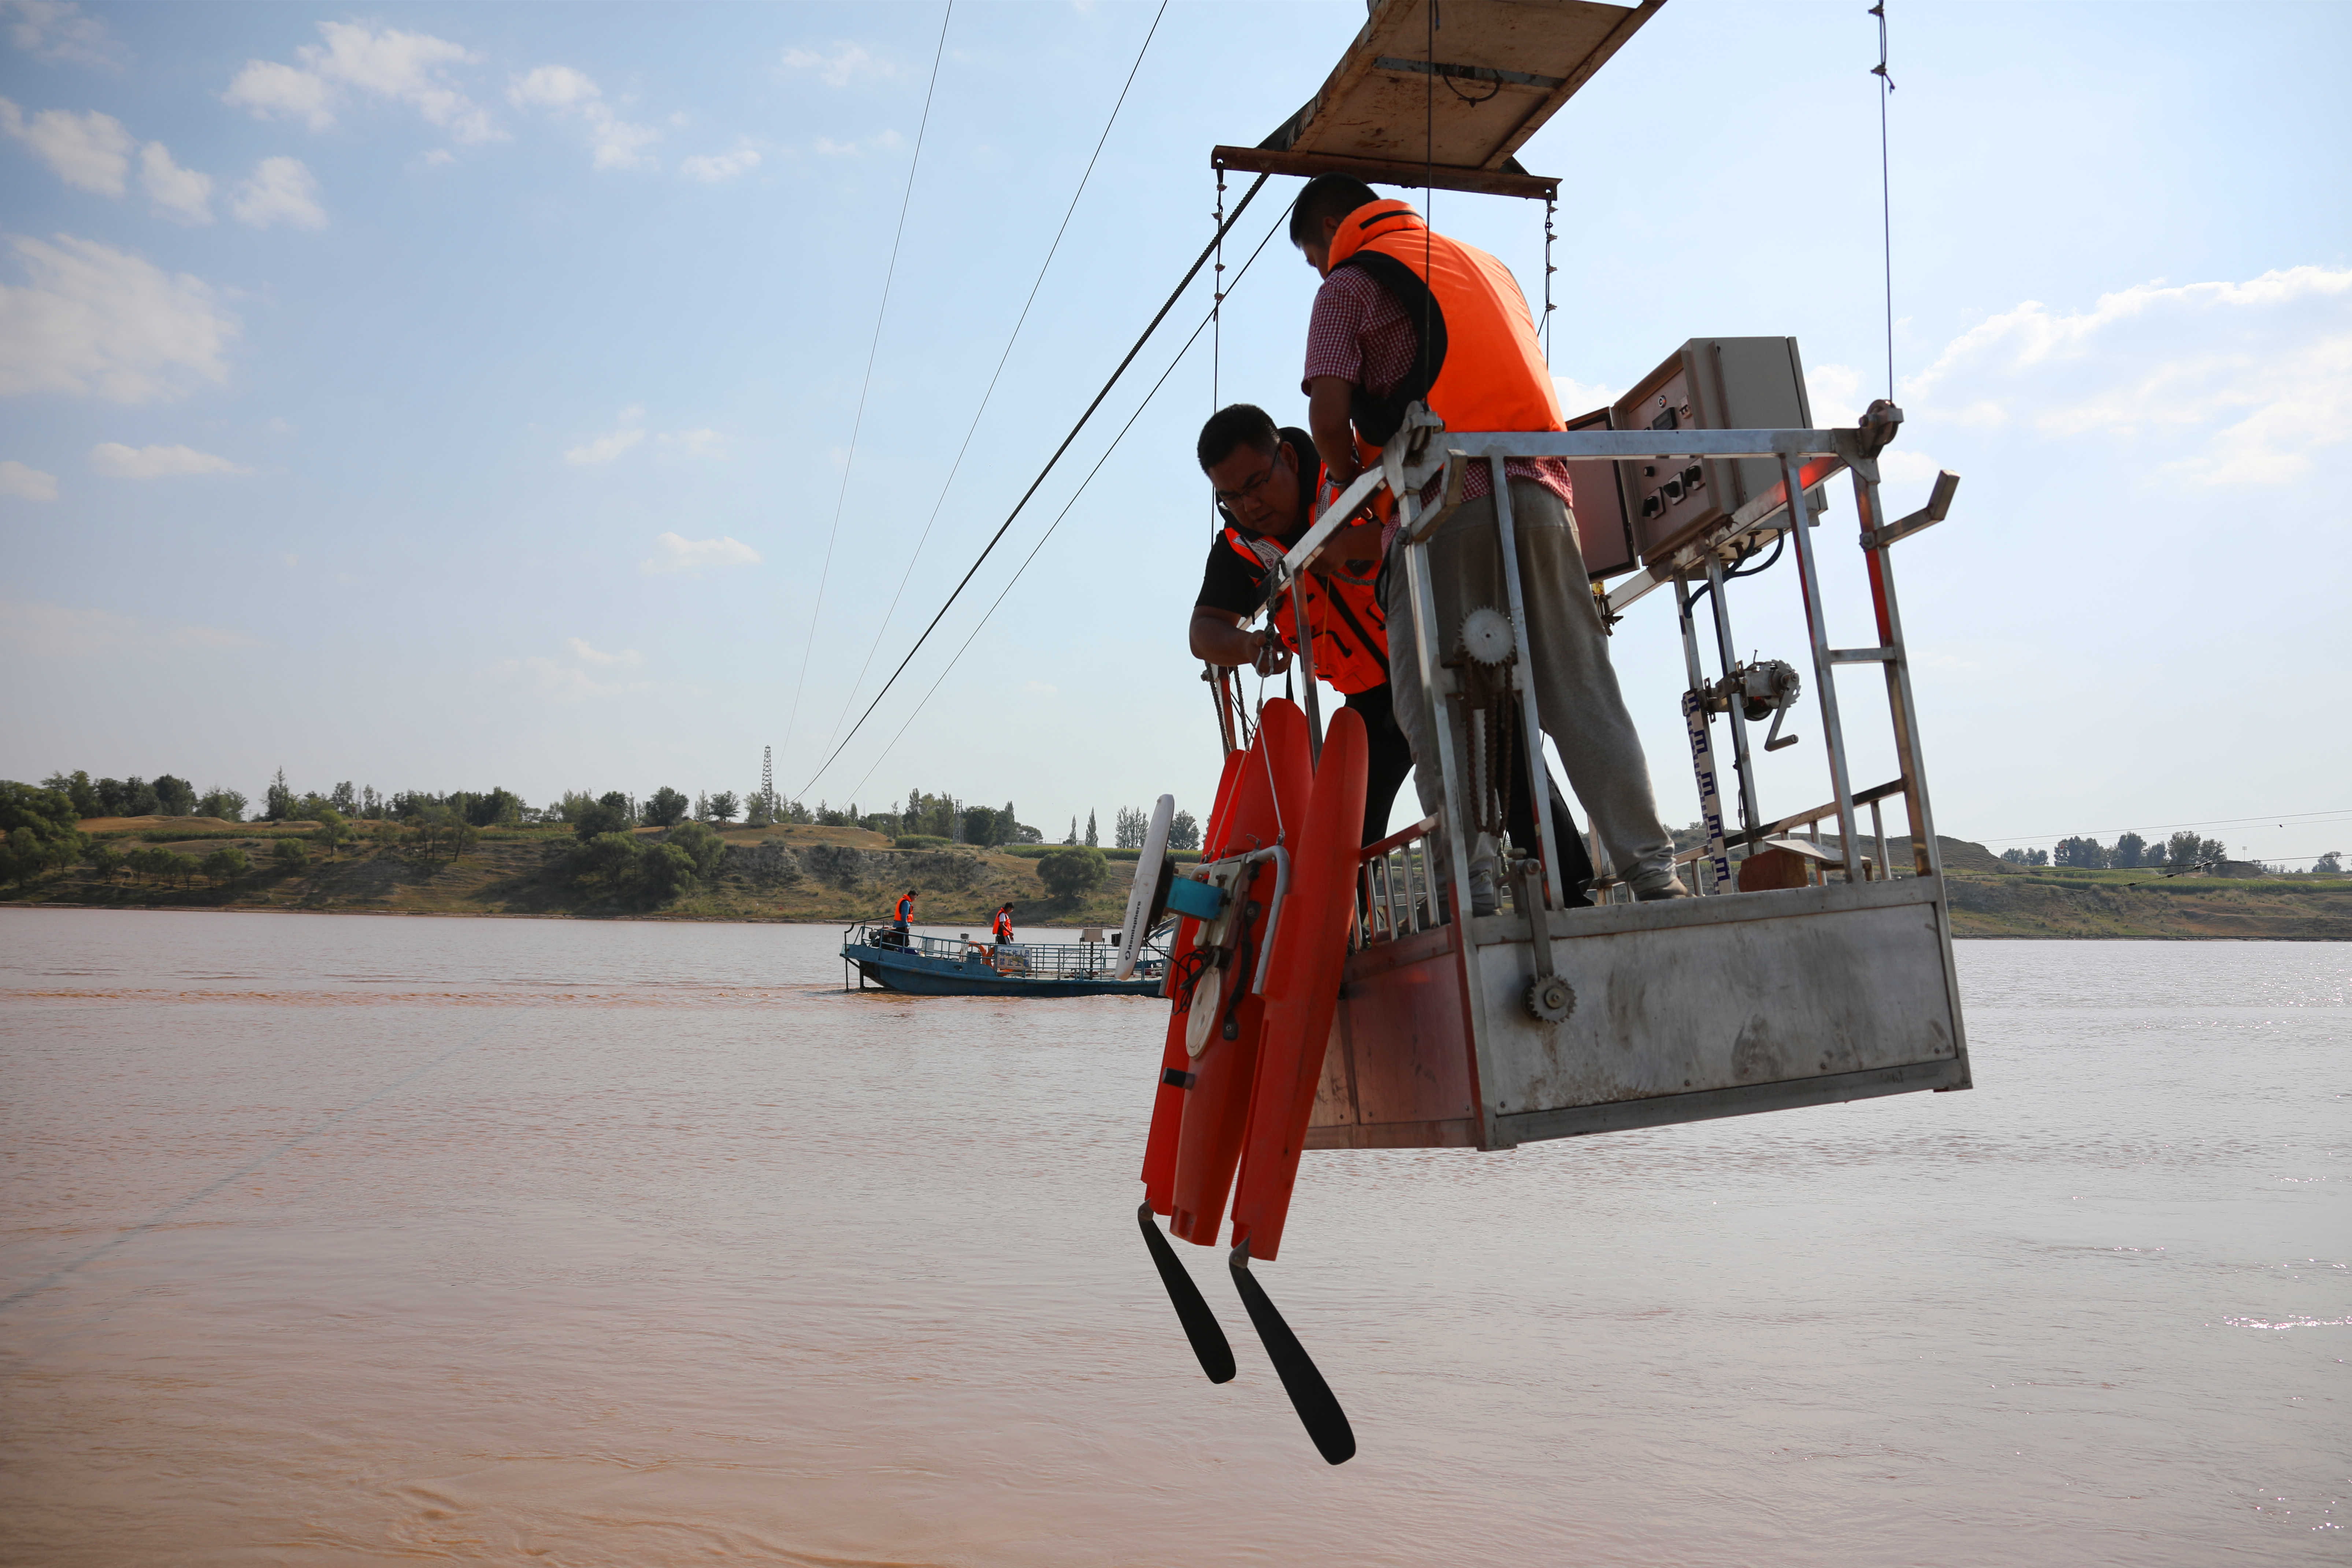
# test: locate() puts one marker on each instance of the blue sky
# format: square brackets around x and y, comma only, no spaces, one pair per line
[437,396]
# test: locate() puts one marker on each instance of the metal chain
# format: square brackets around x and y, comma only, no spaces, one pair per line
[1550,203]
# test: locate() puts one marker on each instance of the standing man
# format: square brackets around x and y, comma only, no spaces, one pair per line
[1266,479]
[1004,931]
[1406,315]
[902,918]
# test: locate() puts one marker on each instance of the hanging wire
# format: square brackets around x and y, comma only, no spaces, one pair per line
[1551,201]
[1152,326]
[1217,300]
[1885,190]
[971,429]
[889,274]
[1244,728]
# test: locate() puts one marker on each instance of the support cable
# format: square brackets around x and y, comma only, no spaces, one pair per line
[972,429]
[1885,190]
[889,275]
[1056,523]
[1191,272]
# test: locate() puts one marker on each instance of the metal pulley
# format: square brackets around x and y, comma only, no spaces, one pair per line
[1764,689]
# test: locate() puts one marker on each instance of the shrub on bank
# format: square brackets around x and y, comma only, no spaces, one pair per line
[1071,872]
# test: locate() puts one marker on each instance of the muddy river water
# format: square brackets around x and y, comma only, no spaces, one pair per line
[350,1239]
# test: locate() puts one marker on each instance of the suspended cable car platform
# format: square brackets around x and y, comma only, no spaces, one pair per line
[1325,995]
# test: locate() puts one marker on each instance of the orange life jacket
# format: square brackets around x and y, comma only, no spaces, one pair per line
[1003,927]
[1479,365]
[1352,638]
[905,909]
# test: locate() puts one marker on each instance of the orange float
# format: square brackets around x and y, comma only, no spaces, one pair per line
[1213,1077]
[1302,987]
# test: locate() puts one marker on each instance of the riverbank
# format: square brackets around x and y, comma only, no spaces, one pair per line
[795,873]
[807,875]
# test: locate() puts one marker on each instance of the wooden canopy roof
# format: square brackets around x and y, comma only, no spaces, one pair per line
[1410,104]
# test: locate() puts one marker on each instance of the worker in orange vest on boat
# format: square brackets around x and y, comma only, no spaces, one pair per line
[1407,315]
[902,918]
[1266,479]
[1004,932]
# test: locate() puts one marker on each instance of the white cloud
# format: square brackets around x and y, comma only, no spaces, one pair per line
[680,555]
[279,190]
[611,445]
[54,30]
[552,86]
[90,152]
[569,682]
[828,147]
[839,65]
[714,168]
[68,631]
[2258,375]
[585,654]
[118,461]
[412,69]
[94,319]
[693,443]
[1581,397]
[26,482]
[269,89]
[618,143]
[182,193]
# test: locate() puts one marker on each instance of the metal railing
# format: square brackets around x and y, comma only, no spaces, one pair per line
[1398,893]
[1019,959]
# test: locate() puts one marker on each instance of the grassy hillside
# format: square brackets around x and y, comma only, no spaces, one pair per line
[516,872]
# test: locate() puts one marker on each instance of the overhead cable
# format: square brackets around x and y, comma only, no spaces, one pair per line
[889,275]
[1056,523]
[1191,272]
[956,466]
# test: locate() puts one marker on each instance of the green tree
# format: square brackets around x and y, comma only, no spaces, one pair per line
[1092,838]
[277,801]
[1071,874]
[2213,851]
[665,806]
[724,805]
[290,853]
[334,831]
[182,869]
[228,804]
[1073,838]
[609,814]
[663,872]
[2330,864]
[2130,850]
[76,787]
[43,832]
[175,796]
[1183,832]
[106,860]
[701,845]
[2087,853]
[225,864]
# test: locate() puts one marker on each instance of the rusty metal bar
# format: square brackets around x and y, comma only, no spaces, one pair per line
[1385,171]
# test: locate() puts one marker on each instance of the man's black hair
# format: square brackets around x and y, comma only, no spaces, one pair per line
[1236,425]
[1326,196]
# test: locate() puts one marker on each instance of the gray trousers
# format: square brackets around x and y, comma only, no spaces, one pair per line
[1577,699]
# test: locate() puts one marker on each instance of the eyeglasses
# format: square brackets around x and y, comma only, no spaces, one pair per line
[1248,489]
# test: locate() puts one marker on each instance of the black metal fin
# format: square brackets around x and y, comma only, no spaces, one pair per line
[1192,1309]
[1318,1409]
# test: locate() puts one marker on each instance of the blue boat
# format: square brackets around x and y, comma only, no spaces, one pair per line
[941,967]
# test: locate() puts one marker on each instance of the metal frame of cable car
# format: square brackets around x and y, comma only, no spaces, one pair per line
[1500,1030]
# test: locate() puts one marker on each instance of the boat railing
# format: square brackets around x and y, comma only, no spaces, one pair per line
[1016,960]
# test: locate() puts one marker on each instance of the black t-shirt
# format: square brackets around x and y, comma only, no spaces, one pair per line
[1235,582]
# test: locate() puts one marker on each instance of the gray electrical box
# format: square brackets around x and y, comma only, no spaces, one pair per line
[1600,529]
[1709,384]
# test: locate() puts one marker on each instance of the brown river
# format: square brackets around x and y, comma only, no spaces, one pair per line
[354,1239]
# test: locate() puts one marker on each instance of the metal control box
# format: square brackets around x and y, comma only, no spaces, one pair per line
[1602,532]
[1709,384]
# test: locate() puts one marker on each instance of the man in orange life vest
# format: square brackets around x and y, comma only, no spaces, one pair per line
[1004,931]
[902,917]
[1266,481]
[1407,315]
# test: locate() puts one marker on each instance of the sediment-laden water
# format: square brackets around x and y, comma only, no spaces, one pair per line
[355,1239]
